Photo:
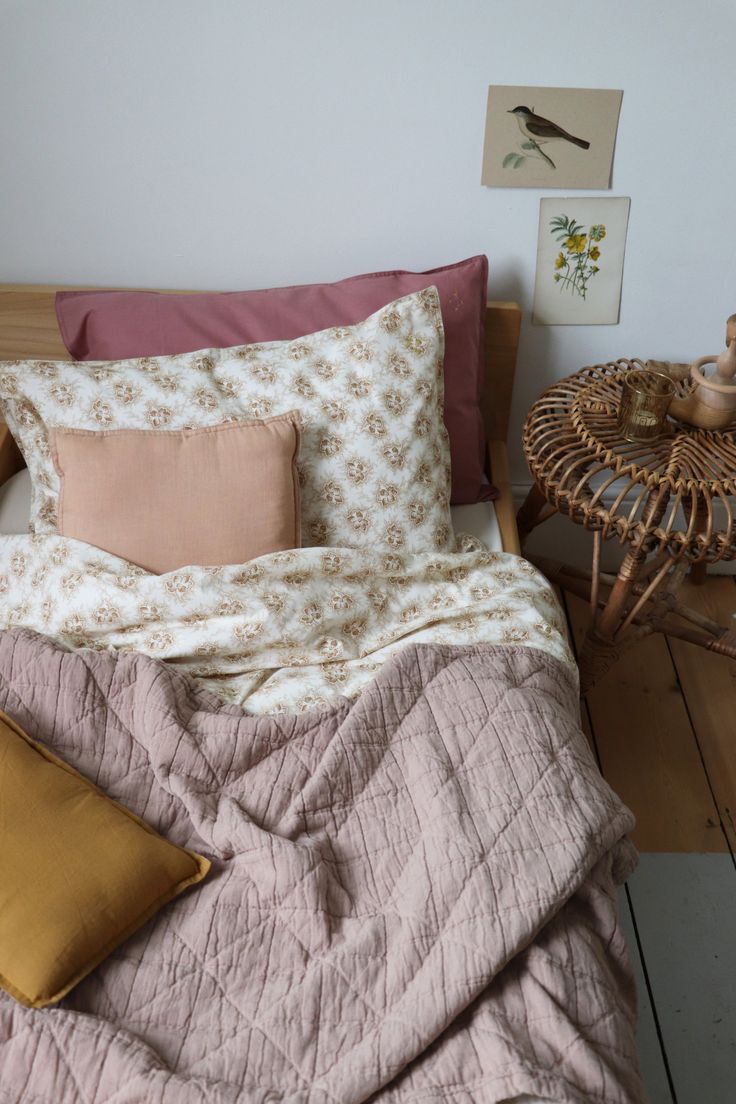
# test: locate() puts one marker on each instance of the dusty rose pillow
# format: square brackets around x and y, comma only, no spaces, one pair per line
[113,325]
[163,499]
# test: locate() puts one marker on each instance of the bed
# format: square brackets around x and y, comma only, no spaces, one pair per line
[414,857]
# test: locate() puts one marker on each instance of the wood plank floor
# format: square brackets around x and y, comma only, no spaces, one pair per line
[663,725]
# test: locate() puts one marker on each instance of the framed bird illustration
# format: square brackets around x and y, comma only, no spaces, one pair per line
[550,137]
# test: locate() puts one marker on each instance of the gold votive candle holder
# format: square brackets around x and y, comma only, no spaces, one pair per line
[645,399]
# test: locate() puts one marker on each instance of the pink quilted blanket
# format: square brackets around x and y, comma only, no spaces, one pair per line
[412,895]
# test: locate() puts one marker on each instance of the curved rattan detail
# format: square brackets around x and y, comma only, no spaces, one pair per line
[674,493]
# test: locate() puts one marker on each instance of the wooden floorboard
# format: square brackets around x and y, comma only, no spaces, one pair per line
[647,747]
[708,683]
[652,1057]
[684,907]
[663,722]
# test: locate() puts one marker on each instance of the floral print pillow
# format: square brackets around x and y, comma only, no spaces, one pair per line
[374,467]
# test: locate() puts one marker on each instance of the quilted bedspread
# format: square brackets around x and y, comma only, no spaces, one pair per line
[412,895]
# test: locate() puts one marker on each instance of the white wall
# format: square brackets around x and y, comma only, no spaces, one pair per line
[234,143]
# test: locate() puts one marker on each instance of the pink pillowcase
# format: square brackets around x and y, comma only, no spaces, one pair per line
[165,499]
[114,325]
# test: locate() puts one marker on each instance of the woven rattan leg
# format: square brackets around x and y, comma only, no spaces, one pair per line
[703,524]
[530,512]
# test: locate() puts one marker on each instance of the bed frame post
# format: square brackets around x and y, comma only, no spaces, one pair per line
[503,326]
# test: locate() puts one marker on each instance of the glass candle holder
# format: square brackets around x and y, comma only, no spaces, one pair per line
[645,399]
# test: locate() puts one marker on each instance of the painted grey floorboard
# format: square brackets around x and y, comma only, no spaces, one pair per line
[685,909]
[651,1060]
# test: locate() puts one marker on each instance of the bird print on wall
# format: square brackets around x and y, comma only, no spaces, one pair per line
[538,131]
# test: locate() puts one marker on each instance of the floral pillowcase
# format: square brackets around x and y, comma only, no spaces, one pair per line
[374,463]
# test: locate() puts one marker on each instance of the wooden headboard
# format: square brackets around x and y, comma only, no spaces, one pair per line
[28,330]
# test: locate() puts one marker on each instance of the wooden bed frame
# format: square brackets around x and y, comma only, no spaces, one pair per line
[29,330]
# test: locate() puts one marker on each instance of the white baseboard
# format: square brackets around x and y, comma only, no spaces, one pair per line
[561,539]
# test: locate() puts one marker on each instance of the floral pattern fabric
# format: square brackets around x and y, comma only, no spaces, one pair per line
[284,632]
[374,465]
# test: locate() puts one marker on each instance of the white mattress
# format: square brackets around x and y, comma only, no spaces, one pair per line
[15,507]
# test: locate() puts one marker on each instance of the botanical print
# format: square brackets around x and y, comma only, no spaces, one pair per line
[577,262]
[550,137]
[284,632]
[374,462]
[580,260]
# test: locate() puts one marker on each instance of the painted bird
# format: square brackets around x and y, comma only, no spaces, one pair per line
[539,129]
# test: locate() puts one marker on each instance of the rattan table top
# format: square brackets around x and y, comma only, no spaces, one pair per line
[675,492]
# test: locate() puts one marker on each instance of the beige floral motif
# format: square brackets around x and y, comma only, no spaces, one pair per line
[205,362]
[105,614]
[332,493]
[355,627]
[332,563]
[311,614]
[73,624]
[126,393]
[249,631]
[179,583]
[63,394]
[46,369]
[158,416]
[361,351]
[330,444]
[149,611]
[360,520]
[357,469]
[410,613]
[248,352]
[387,494]
[334,410]
[416,345]
[18,563]
[318,532]
[335,674]
[264,372]
[374,424]
[390,320]
[273,601]
[26,414]
[4,584]
[298,350]
[359,386]
[8,383]
[228,386]
[377,599]
[329,647]
[205,398]
[417,511]
[394,535]
[167,382]
[340,600]
[398,364]
[395,402]
[303,386]
[325,369]
[394,455]
[229,607]
[159,640]
[259,408]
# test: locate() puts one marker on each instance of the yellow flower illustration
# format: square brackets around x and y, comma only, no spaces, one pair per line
[595,253]
[560,261]
[576,243]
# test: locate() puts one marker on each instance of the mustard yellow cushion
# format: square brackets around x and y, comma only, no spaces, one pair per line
[78,872]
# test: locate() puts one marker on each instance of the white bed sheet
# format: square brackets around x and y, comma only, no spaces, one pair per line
[15,507]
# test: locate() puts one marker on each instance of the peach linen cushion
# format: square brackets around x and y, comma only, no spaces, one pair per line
[164,499]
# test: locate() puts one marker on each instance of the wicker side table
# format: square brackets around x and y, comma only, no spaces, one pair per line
[672,501]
